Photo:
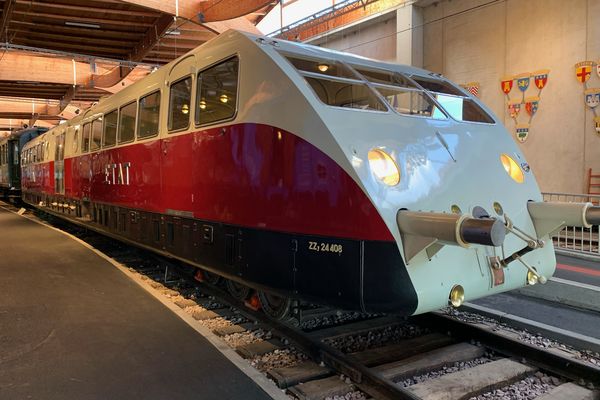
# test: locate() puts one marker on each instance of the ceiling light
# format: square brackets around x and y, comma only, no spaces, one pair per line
[323,67]
[224,98]
[82,24]
[174,32]
[185,109]
[202,104]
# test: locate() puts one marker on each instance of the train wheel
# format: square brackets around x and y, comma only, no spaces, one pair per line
[212,279]
[276,307]
[237,290]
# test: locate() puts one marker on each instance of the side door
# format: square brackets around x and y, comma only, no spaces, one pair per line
[176,144]
[59,164]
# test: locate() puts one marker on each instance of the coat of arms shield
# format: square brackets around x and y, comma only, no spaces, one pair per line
[523,82]
[522,132]
[507,84]
[532,105]
[583,71]
[514,108]
[592,97]
[540,78]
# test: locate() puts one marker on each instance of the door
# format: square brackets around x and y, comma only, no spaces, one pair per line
[59,165]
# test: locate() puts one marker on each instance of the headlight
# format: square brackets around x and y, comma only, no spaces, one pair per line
[384,167]
[512,168]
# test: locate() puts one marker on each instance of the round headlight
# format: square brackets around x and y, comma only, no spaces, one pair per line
[384,167]
[457,296]
[512,168]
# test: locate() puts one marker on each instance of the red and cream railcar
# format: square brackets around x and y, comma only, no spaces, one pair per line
[302,172]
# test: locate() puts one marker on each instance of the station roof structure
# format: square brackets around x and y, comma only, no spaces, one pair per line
[59,56]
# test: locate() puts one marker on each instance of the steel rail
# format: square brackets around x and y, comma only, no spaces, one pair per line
[546,360]
[366,379]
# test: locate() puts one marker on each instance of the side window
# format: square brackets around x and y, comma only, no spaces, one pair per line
[148,115]
[85,144]
[217,88]
[127,122]
[75,140]
[180,96]
[96,134]
[59,150]
[110,129]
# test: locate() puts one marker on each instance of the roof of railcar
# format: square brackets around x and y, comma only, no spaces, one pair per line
[156,79]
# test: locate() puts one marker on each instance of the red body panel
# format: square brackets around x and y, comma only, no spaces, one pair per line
[250,175]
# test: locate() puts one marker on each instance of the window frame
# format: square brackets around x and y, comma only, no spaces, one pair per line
[101,133]
[139,109]
[358,80]
[103,146]
[137,106]
[462,95]
[88,124]
[192,98]
[237,97]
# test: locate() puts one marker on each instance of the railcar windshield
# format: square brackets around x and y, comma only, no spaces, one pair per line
[401,94]
[337,85]
[454,101]
[340,84]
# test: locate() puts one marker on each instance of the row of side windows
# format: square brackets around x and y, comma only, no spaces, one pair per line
[34,154]
[216,100]
[119,126]
[4,154]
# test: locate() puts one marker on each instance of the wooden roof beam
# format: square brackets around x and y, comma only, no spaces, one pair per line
[217,15]
[24,67]
[9,6]
[140,51]
[86,8]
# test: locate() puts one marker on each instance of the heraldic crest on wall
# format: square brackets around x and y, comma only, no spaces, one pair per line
[471,87]
[530,104]
[591,95]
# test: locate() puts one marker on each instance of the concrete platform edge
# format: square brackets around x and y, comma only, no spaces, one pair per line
[576,340]
[576,254]
[571,293]
[262,381]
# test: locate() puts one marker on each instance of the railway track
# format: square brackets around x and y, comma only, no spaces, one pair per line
[355,356]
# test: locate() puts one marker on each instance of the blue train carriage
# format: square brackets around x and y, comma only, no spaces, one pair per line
[10,159]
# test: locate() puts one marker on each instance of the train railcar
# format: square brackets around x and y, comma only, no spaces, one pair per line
[10,159]
[306,173]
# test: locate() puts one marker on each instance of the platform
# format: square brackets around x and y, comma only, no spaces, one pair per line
[72,326]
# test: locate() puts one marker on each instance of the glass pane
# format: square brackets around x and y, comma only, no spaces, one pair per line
[85,145]
[179,104]
[127,122]
[149,113]
[218,92]
[385,77]
[96,134]
[110,129]
[463,109]
[325,67]
[411,102]
[347,95]
[438,86]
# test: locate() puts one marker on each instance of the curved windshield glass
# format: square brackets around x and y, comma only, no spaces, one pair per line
[456,103]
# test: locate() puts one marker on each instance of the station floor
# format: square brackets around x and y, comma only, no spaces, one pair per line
[73,327]
[579,320]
